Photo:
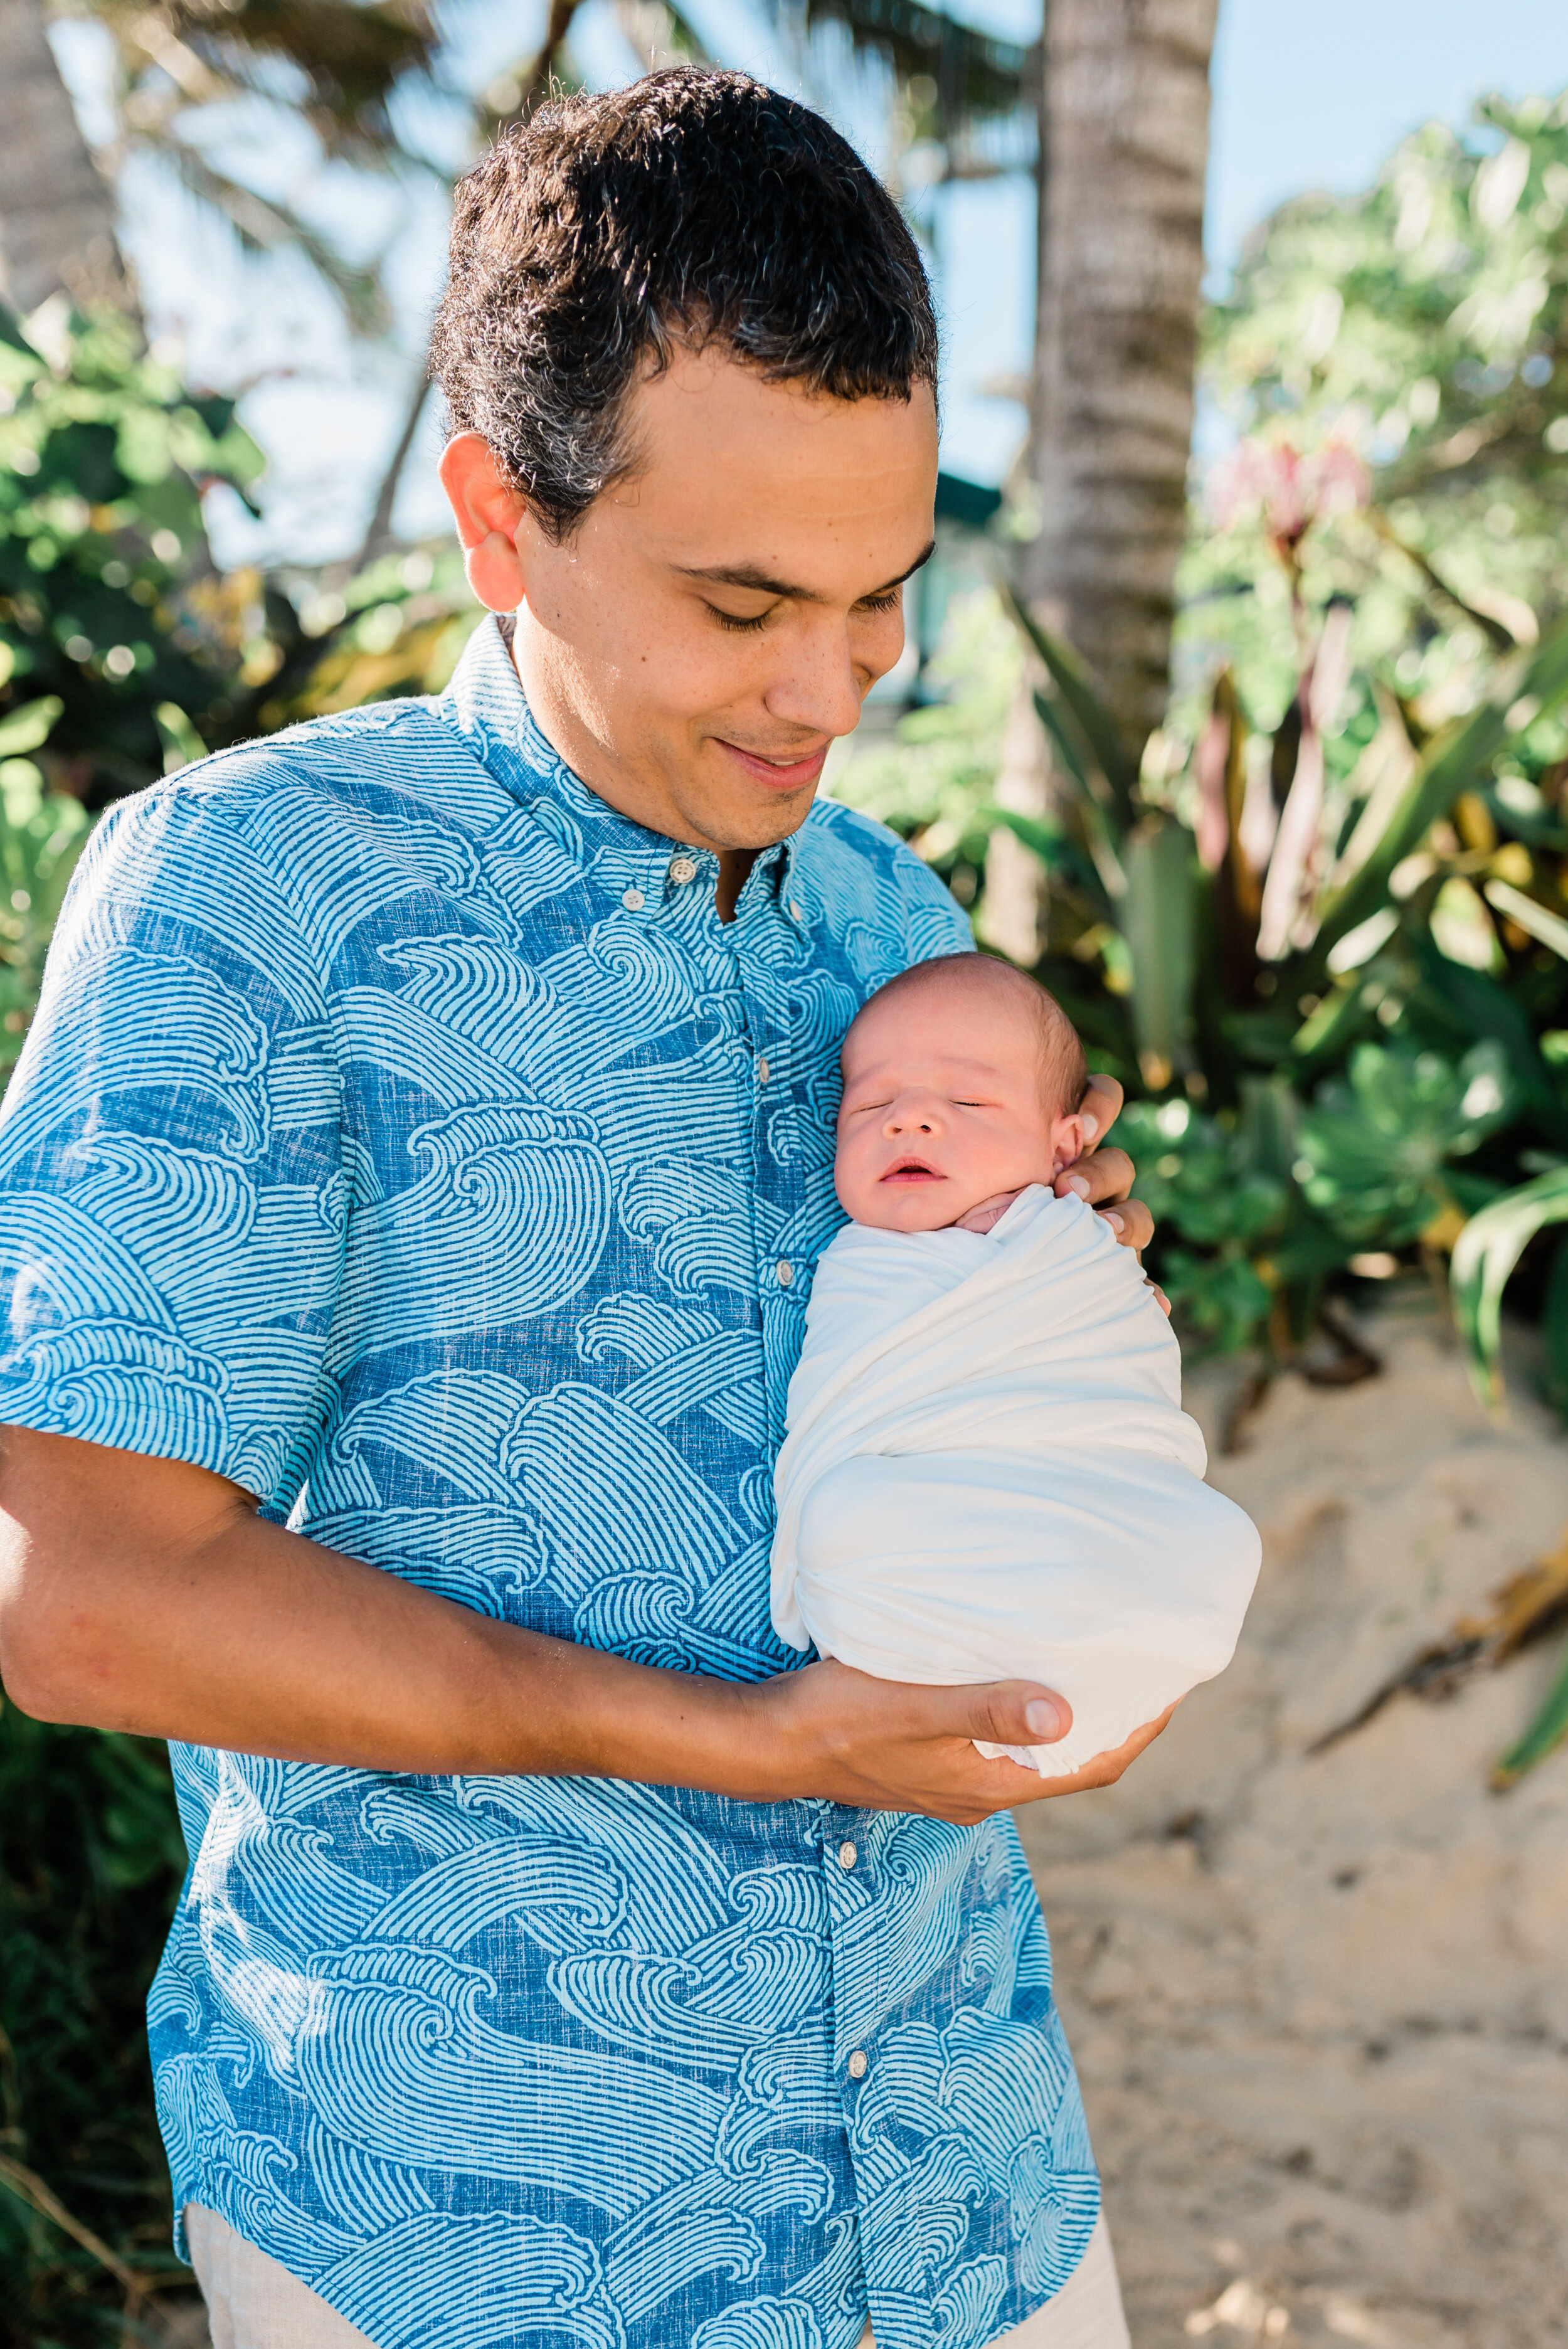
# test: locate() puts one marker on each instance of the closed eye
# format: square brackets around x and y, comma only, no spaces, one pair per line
[734,621]
[888,601]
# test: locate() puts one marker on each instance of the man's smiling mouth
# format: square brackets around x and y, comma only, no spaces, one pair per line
[912,1170]
[779,775]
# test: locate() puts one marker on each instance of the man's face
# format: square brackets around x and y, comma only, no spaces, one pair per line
[716,621]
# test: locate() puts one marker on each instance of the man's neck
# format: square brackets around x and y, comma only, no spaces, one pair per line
[734,864]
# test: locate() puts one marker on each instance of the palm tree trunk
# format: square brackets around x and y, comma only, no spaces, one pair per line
[56,216]
[1124,137]
[1124,145]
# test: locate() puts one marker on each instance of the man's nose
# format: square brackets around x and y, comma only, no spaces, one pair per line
[824,687]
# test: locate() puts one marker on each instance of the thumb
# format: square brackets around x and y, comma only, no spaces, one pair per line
[1018,1712]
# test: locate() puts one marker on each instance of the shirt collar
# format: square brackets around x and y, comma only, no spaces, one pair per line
[485,705]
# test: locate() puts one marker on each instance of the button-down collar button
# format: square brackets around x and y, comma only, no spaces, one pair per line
[859,2063]
[633,900]
[847,1855]
[795,913]
[763,1072]
[783,1272]
[682,870]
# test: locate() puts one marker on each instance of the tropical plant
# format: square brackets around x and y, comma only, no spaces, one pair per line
[116,663]
[110,654]
[91,1860]
[1385,959]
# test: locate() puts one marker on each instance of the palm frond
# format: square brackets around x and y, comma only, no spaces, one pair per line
[956,73]
[262,225]
[351,57]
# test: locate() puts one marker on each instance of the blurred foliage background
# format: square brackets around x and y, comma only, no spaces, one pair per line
[1317,923]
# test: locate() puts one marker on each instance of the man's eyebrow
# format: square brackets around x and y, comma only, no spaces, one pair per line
[751,577]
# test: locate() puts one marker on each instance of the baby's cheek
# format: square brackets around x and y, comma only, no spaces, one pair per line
[845,1185]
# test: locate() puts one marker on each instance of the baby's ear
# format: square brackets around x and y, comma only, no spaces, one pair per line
[1066,1140]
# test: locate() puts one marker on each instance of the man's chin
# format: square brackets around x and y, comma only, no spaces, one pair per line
[749,828]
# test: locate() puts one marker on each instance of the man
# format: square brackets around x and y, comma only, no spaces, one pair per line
[408,1203]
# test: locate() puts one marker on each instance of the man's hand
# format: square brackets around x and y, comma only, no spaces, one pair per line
[147,1595]
[885,1745]
[1104,1177]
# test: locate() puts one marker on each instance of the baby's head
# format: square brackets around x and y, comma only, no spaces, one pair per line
[961,1080]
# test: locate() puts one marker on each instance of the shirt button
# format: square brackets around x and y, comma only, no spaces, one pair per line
[783,1272]
[682,870]
[848,1855]
[795,913]
[632,901]
[859,2063]
[763,1073]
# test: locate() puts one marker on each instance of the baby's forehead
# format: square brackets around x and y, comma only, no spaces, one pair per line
[946,1019]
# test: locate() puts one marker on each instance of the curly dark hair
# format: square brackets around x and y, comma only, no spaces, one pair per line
[695,206]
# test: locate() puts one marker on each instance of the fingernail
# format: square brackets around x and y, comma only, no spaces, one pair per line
[1090,1126]
[1042,1720]
[1113,1219]
[1076,1182]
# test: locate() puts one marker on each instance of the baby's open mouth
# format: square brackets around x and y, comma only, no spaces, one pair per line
[912,1170]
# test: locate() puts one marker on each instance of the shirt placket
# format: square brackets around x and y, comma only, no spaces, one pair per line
[845,1838]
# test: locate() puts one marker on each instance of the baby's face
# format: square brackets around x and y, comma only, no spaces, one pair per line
[944,1108]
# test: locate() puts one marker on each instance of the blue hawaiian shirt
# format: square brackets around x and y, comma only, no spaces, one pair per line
[403,1135]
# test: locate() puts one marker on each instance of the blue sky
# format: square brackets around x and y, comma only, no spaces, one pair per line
[1314,93]
[1304,96]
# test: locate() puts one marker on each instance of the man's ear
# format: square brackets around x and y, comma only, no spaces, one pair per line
[489,516]
[1067,1141]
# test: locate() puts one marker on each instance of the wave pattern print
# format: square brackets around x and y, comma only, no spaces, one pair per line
[400,1139]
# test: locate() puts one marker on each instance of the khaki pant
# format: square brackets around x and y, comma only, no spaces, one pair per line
[253,2302]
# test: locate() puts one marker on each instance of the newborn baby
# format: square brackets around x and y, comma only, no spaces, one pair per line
[987,1473]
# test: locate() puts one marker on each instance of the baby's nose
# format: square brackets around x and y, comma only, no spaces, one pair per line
[911,1117]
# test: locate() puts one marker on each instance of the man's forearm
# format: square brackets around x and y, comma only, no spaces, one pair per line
[225,1630]
[146,1595]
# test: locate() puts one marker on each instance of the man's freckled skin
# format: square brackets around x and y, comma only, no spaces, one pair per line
[831,499]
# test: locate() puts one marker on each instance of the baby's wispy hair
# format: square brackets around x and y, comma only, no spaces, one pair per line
[1064,1072]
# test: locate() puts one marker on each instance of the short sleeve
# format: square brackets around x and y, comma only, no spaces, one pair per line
[173,1200]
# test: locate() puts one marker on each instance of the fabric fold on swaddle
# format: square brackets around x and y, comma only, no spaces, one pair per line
[988,1474]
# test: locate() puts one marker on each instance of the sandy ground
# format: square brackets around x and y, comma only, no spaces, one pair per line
[1320,2006]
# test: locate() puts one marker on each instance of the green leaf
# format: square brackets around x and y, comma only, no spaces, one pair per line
[182,746]
[1057,850]
[1373,1147]
[1081,768]
[1158,920]
[1555,1330]
[1485,1254]
[1545,1733]
[1548,928]
[1471,1003]
[1450,766]
[1095,723]
[25,729]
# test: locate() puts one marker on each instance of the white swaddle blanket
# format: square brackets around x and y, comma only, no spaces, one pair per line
[988,1474]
